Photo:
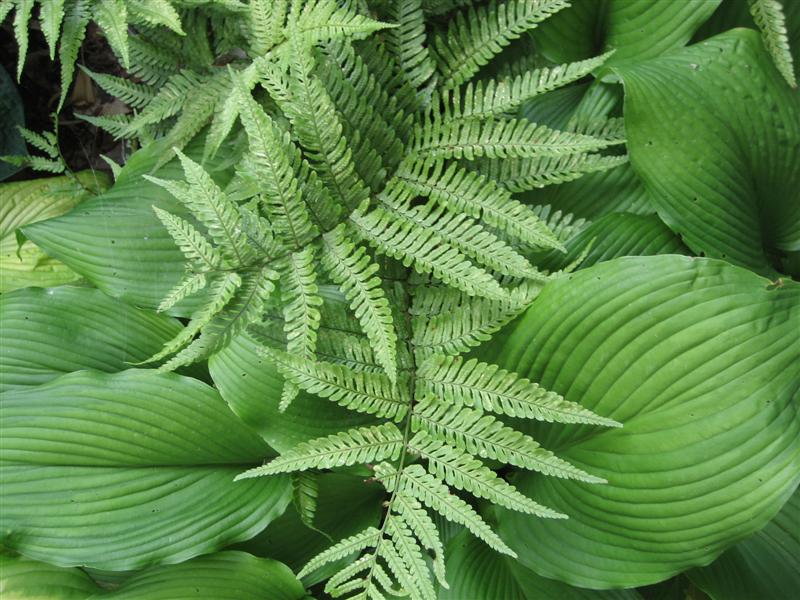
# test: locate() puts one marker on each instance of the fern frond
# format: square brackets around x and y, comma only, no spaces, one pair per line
[169,100]
[356,446]
[51,14]
[305,492]
[417,519]
[398,568]
[273,159]
[410,553]
[112,17]
[416,482]
[472,383]
[475,36]
[463,233]
[563,225]
[45,141]
[190,284]
[150,63]
[343,549]
[477,433]
[135,95]
[352,269]
[407,44]
[469,138]
[399,237]
[191,242]
[266,24]
[22,16]
[523,174]
[154,13]
[497,98]
[371,393]
[352,351]
[476,196]
[769,17]
[464,472]
[220,293]
[321,20]
[77,14]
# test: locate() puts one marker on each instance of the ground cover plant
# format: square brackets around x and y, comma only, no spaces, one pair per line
[411,298]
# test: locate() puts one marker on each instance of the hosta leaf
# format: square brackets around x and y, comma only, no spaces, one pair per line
[128,470]
[487,575]
[116,240]
[252,385]
[222,576]
[697,358]
[765,565]
[26,202]
[25,579]
[49,332]
[718,114]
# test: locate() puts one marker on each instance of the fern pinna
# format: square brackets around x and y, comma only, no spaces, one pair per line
[377,163]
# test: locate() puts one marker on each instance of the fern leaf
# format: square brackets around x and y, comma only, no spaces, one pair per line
[416,518]
[396,236]
[45,141]
[769,17]
[191,242]
[272,158]
[478,197]
[112,17]
[135,95]
[339,584]
[351,268]
[51,14]
[77,14]
[357,446]
[465,472]
[371,393]
[21,17]
[343,549]
[473,383]
[305,491]
[463,233]
[563,225]
[169,100]
[221,292]
[190,284]
[266,22]
[322,20]
[352,351]
[408,45]
[480,434]
[415,481]
[301,302]
[399,568]
[497,98]
[469,138]
[473,38]
[523,174]
[154,13]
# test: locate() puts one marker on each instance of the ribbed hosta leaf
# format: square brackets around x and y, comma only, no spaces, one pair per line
[487,575]
[765,565]
[251,385]
[222,576]
[116,240]
[49,332]
[714,132]
[128,470]
[25,202]
[697,358]
[25,579]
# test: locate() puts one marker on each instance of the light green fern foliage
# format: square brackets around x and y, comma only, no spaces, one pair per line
[770,19]
[349,158]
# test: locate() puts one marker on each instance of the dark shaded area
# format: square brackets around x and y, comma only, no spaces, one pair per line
[40,88]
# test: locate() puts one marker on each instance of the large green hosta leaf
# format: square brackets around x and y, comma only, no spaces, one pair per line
[482,574]
[698,359]
[121,471]
[49,332]
[117,242]
[766,565]
[25,202]
[714,132]
[633,28]
[25,579]
[222,576]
